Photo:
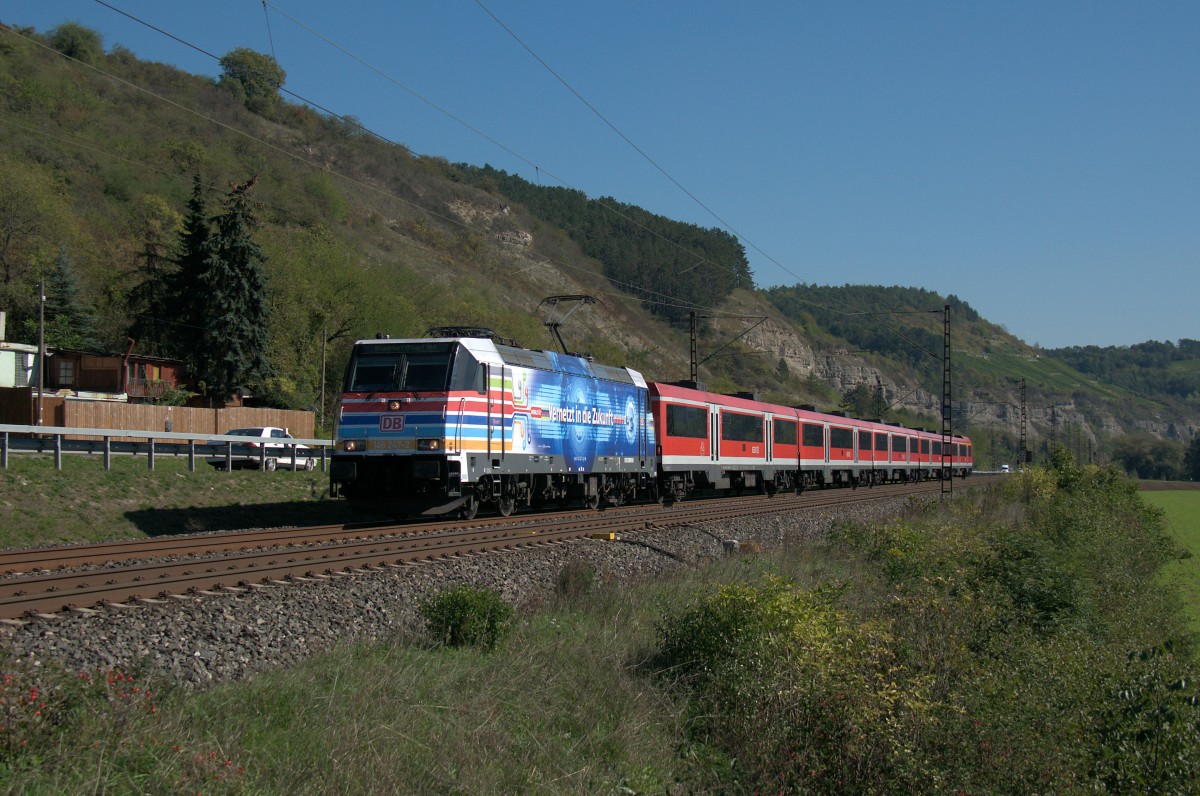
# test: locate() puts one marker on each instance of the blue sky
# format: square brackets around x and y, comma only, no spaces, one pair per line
[1040,160]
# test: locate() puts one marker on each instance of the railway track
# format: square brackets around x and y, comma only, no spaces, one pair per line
[43,582]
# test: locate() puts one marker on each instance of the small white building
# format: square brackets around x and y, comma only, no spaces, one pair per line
[17,360]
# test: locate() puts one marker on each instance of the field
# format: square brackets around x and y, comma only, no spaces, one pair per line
[1182,507]
[83,503]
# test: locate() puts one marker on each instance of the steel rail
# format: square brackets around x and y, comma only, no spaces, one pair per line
[48,593]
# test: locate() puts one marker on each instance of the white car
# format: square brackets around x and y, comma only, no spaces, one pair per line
[278,450]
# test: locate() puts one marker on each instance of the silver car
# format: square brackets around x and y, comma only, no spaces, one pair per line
[278,450]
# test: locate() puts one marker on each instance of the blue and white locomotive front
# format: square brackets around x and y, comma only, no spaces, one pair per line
[441,425]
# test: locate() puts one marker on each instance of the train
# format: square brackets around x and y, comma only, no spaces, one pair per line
[462,420]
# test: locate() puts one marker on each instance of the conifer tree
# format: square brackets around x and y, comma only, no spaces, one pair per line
[184,305]
[69,322]
[149,300]
[233,353]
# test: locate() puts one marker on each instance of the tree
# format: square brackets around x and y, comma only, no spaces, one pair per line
[69,322]
[1191,460]
[184,301]
[148,301]
[865,402]
[255,78]
[232,356]
[76,41]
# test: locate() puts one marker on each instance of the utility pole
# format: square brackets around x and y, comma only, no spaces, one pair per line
[1021,453]
[41,379]
[947,422]
[321,406]
[695,370]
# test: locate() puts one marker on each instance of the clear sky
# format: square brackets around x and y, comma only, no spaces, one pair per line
[1040,160]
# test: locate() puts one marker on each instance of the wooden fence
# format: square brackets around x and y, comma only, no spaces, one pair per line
[16,407]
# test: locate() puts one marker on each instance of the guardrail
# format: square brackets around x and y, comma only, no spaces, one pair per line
[151,444]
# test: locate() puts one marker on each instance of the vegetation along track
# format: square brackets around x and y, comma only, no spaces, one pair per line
[44,581]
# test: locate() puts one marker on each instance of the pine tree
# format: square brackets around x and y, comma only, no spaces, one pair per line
[184,303]
[233,353]
[148,302]
[69,322]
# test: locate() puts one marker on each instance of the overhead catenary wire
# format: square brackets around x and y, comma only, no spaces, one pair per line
[673,301]
[538,169]
[405,88]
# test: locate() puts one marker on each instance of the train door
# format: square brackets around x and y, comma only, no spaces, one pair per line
[495,415]
[714,434]
[770,421]
[490,409]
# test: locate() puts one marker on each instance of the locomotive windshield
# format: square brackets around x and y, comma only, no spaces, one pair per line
[402,367]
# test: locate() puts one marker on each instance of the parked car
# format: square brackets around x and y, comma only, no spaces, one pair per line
[278,450]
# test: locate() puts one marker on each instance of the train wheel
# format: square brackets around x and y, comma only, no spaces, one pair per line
[469,509]
[592,502]
[505,505]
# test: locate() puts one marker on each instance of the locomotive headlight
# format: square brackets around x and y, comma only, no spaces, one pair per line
[429,444]
[354,445]
[393,406]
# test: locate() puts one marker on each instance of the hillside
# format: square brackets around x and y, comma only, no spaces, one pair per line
[361,236]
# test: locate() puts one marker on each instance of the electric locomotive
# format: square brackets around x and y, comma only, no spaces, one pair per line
[463,419]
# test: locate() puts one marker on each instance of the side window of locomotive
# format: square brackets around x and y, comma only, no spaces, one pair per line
[841,438]
[785,432]
[881,442]
[373,372]
[467,373]
[687,421]
[925,447]
[814,436]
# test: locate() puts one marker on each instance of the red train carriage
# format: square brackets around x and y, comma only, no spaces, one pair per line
[712,441]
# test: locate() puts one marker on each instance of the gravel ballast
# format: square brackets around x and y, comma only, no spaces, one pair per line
[201,641]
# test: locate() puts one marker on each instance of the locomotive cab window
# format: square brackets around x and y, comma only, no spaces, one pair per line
[413,367]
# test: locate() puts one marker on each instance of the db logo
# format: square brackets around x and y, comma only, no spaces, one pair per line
[391,422]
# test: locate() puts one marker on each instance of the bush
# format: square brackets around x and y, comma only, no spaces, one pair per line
[799,694]
[464,616]
[575,580]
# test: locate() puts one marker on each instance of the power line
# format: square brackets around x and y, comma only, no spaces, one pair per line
[538,169]
[405,88]
[675,301]
[626,138]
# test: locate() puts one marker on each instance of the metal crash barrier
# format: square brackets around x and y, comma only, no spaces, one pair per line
[58,440]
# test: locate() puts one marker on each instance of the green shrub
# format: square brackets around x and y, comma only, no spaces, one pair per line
[797,692]
[576,579]
[465,616]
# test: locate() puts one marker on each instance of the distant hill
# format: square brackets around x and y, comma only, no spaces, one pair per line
[362,236]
